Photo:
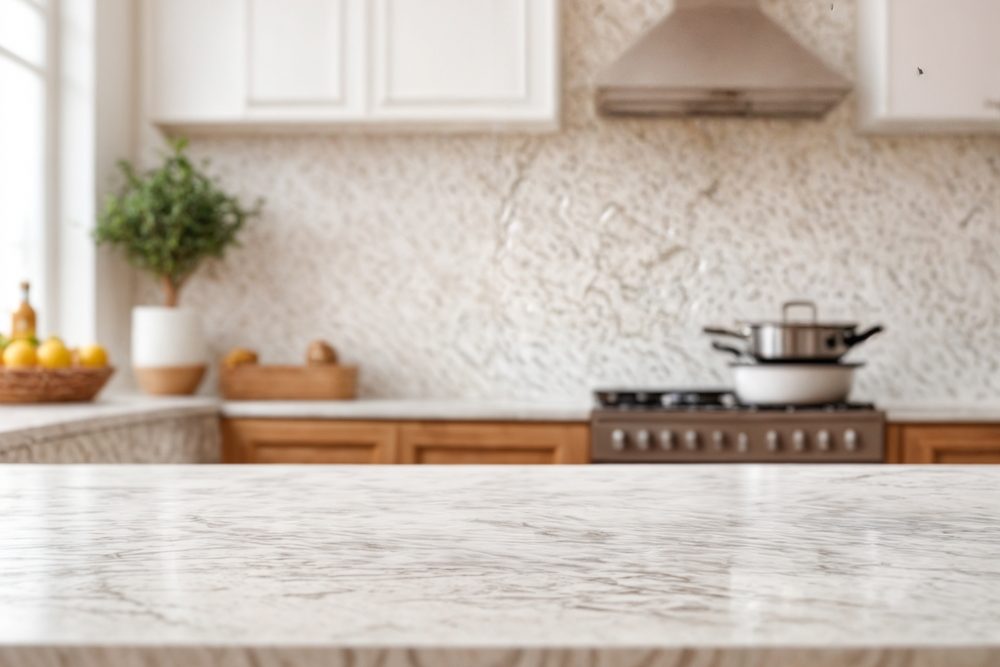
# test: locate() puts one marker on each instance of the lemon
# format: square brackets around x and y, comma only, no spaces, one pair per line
[92,356]
[19,354]
[53,354]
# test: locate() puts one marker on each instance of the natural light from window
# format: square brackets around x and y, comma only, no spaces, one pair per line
[24,142]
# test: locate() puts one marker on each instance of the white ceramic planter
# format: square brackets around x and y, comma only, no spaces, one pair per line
[169,352]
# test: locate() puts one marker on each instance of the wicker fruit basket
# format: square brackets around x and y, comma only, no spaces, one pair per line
[52,386]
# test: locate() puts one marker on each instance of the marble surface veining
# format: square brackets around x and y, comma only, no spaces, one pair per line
[599,565]
[507,266]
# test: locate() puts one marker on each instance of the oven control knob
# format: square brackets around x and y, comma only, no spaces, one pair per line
[719,439]
[743,442]
[642,440]
[823,441]
[799,440]
[691,440]
[850,440]
[618,439]
[666,440]
[773,441]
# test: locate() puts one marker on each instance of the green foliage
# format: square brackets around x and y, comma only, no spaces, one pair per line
[170,219]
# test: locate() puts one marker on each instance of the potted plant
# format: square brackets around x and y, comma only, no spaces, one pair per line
[167,221]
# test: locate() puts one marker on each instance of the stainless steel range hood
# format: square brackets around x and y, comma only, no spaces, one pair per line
[719,57]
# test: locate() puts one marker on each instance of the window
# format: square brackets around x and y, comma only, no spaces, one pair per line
[26,141]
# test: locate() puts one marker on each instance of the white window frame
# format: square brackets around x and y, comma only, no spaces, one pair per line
[49,73]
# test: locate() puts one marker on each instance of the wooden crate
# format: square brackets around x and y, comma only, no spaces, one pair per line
[252,382]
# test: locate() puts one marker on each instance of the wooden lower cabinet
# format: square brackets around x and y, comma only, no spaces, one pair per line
[933,443]
[307,441]
[494,443]
[329,441]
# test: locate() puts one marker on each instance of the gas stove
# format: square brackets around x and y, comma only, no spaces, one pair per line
[703,426]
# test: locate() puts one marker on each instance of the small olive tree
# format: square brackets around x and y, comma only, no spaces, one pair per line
[169,219]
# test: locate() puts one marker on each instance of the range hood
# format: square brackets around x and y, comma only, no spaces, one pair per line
[719,57]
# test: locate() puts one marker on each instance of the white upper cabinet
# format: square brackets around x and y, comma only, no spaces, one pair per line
[219,62]
[304,59]
[450,64]
[193,66]
[929,65]
[462,60]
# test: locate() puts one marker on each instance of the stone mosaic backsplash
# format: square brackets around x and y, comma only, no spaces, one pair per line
[538,265]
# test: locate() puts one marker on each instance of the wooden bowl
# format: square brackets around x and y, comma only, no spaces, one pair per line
[64,385]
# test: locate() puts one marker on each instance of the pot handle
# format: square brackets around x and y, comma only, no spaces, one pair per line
[726,348]
[855,339]
[788,305]
[719,331]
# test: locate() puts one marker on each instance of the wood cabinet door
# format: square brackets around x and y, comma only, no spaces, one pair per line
[472,61]
[307,441]
[473,443]
[949,444]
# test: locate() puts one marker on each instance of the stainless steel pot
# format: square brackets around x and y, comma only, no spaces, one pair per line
[798,341]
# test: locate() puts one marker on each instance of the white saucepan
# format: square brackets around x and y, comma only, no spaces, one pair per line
[792,384]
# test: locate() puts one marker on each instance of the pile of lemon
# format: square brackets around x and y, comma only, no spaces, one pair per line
[52,354]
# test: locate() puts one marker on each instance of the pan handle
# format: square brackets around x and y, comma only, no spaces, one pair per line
[719,331]
[808,305]
[716,345]
[855,339]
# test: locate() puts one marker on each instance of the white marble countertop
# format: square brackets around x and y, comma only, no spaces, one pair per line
[57,419]
[553,410]
[556,410]
[945,411]
[42,421]
[522,566]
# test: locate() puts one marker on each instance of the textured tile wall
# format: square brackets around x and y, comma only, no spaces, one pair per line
[541,265]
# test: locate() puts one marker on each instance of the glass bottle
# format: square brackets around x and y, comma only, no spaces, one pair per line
[23,321]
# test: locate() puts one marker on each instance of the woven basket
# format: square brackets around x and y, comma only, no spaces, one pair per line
[52,386]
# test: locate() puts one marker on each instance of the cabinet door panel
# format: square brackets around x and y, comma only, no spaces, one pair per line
[305,60]
[296,51]
[304,441]
[474,443]
[950,444]
[455,49]
[443,60]
[195,59]
[957,46]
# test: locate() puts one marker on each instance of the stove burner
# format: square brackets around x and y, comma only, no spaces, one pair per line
[665,398]
[698,398]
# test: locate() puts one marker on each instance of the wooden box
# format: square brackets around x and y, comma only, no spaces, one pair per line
[252,382]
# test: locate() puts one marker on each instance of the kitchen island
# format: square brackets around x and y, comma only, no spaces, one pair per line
[533,566]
